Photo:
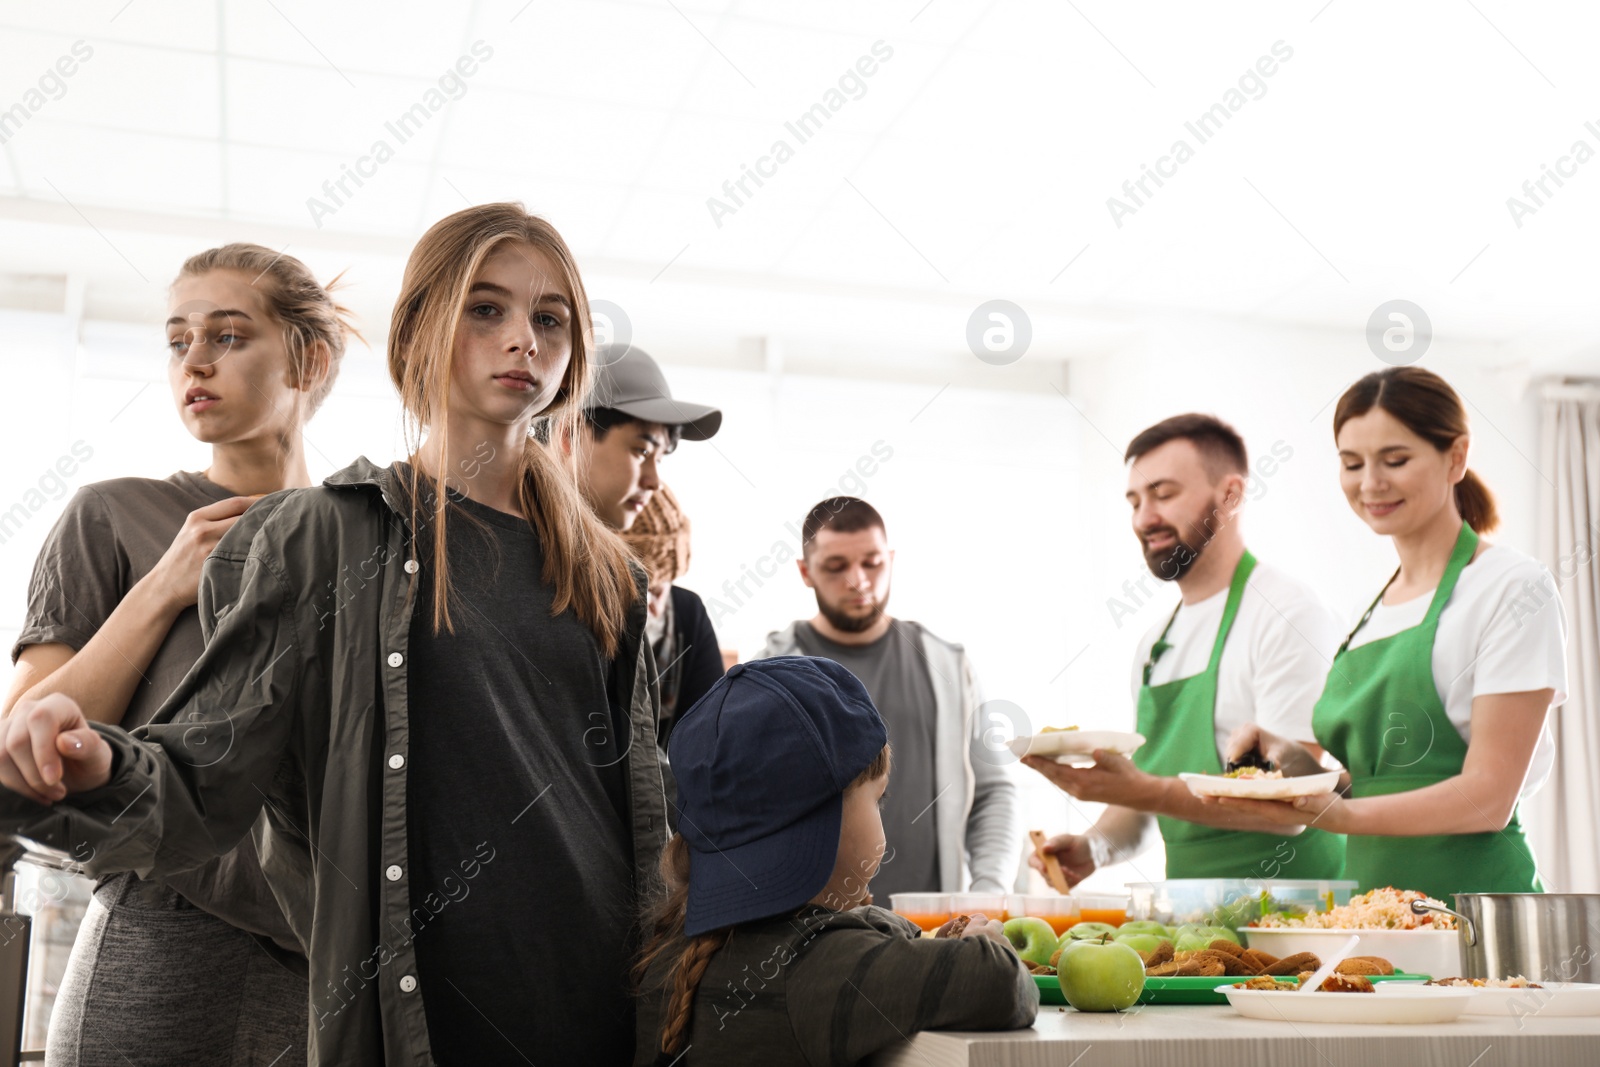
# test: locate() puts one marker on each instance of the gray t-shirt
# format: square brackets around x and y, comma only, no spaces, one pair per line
[896,676]
[111,535]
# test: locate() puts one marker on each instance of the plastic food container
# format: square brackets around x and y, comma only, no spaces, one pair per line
[1061,912]
[992,905]
[1233,902]
[1108,908]
[928,910]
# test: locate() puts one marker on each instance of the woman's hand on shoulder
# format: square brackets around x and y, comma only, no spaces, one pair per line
[176,577]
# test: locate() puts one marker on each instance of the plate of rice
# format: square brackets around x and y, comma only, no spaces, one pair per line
[1419,944]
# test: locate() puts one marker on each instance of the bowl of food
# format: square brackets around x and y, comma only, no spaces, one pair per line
[1234,902]
[1388,927]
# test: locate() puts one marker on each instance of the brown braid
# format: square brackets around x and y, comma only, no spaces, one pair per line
[690,969]
[690,955]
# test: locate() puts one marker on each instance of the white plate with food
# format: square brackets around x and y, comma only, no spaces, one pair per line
[1261,785]
[1072,745]
[1411,1004]
[1520,998]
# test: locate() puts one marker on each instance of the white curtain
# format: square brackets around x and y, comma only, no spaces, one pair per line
[1564,816]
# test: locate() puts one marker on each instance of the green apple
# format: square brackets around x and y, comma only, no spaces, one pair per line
[1142,926]
[1192,937]
[1140,941]
[1086,931]
[1033,939]
[1100,975]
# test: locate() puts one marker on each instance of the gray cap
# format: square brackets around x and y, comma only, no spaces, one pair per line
[626,379]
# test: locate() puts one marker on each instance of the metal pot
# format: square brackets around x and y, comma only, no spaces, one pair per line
[1548,937]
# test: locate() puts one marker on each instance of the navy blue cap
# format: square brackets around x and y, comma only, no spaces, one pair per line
[762,762]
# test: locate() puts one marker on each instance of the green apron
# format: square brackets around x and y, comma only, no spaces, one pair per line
[1178,720]
[1381,716]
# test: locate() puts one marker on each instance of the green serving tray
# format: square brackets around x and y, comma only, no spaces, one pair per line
[1185,990]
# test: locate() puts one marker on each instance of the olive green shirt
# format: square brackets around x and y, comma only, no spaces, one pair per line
[298,708]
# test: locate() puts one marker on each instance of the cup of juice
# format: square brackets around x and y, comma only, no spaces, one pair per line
[928,910]
[1061,912]
[1111,909]
[993,905]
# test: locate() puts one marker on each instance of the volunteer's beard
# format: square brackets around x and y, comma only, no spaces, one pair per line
[1173,562]
[852,624]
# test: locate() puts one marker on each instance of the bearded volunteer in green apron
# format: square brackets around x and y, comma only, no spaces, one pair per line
[1437,701]
[1178,721]
[1247,645]
[1381,705]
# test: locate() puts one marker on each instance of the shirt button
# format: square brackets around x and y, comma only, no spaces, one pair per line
[393,873]
[411,566]
[395,659]
[397,761]
[408,984]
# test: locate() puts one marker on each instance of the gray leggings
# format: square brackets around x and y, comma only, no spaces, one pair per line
[154,980]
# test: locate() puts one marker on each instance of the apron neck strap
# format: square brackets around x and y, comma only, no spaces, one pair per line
[1241,576]
[1158,649]
[1460,556]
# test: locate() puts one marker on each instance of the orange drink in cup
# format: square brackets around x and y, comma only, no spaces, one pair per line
[928,910]
[992,905]
[1106,908]
[1061,912]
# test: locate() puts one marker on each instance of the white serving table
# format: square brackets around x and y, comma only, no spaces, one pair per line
[1204,1035]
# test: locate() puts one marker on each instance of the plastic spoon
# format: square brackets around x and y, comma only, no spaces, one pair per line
[1332,963]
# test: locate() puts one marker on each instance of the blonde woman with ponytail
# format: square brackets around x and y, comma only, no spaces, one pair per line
[1436,702]
[429,681]
[198,968]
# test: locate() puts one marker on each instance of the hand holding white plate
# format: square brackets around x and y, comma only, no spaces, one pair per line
[1306,785]
[1076,746]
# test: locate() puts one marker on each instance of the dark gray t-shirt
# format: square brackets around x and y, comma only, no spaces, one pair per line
[111,535]
[896,676]
[521,878]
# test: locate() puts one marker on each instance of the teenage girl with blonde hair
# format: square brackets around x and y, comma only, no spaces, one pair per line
[430,676]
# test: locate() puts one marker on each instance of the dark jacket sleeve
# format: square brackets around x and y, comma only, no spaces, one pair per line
[187,786]
[702,658]
[858,989]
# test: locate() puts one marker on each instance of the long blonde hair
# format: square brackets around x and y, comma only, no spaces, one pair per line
[584,561]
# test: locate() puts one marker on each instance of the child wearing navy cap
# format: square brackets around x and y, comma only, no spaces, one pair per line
[761,951]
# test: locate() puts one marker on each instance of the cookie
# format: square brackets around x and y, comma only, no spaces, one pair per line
[1300,961]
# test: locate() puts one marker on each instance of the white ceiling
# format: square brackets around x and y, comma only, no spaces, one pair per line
[977,164]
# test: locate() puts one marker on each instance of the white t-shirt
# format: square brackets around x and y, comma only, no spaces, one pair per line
[1502,631]
[1274,663]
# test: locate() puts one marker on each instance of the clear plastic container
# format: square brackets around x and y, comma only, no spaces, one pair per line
[1061,912]
[992,905]
[1233,902]
[1108,908]
[928,910]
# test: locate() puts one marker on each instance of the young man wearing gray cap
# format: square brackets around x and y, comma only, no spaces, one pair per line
[632,423]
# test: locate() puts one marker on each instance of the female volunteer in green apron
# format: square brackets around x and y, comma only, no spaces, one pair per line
[1436,703]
